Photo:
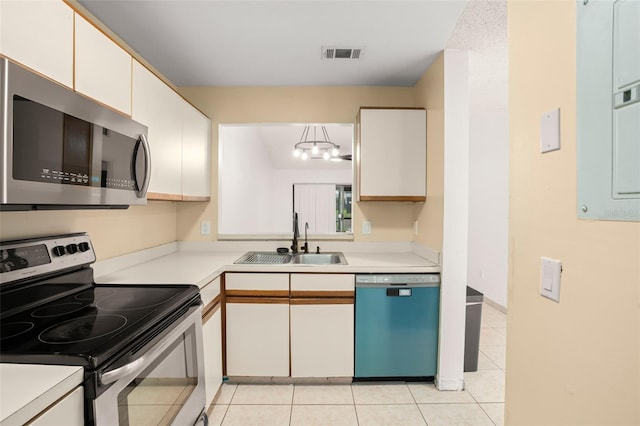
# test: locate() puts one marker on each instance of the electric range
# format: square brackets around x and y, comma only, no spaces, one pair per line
[129,339]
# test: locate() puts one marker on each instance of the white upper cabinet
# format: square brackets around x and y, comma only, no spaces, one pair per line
[158,107]
[195,153]
[391,154]
[103,69]
[39,35]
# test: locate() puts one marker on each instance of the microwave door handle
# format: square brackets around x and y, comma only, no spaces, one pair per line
[142,191]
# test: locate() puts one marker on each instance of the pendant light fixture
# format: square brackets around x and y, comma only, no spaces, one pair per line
[314,148]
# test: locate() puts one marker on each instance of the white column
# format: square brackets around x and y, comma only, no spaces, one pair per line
[456,221]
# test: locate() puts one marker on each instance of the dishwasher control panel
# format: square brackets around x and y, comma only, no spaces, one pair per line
[408,280]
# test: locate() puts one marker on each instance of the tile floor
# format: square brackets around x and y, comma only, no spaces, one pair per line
[482,403]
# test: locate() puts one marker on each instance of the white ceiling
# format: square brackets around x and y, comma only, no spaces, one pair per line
[278,43]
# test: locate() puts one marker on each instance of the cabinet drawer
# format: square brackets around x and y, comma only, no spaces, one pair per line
[210,291]
[242,281]
[322,282]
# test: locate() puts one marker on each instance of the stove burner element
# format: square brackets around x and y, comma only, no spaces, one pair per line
[82,329]
[13,329]
[134,300]
[57,310]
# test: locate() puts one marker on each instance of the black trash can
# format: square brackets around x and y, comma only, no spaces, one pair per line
[472,329]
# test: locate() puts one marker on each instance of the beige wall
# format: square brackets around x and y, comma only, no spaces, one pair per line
[430,95]
[576,362]
[390,221]
[113,232]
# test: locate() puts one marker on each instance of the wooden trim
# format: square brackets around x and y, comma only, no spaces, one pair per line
[195,198]
[211,308]
[158,196]
[257,293]
[264,300]
[323,294]
[418,198]
[382,107]
[322,301]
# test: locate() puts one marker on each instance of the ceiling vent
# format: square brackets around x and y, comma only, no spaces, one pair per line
[331,52]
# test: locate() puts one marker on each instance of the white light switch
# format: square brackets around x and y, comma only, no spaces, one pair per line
[550,131]
[366,227]
[205,227]
[550,270]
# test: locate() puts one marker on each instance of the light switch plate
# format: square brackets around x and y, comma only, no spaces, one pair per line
[550,271]
[366,227]
[205,227]
[550,131]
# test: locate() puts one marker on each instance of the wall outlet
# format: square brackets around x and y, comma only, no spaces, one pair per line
[205,227]
[366,227]
[550,131]
[550,271]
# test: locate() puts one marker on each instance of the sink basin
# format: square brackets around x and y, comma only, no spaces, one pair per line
[329,258]
[264,258]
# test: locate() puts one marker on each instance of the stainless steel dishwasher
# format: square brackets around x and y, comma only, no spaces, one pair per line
[396,325]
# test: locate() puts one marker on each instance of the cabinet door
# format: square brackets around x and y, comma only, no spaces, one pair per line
[69,411]
[39,35]
[157,106]
[322,340]
[195,153]
[212,339]
[257,339]
[393,154]
[103,69]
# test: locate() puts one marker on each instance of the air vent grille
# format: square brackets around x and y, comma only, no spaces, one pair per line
[332,52]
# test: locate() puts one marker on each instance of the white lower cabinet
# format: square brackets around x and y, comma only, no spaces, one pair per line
[257,339]
[69,411]
[322,340]
[212,342]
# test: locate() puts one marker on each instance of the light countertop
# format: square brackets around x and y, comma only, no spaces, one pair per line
[200,267]
[26,390]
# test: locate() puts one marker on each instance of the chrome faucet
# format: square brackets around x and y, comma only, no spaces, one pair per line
[306,242]
[296,234]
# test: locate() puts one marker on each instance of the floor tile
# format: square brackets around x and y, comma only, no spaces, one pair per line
[497,354]
[495,412]
[322,394]
[454,414]
[495,321]
[320,415]
[257,415]
[226,393]
[144,415]
[426,393]
[391,415]
[216,414]
[485,363]
[485,385]
[263,394]
[492,337]
[382,394]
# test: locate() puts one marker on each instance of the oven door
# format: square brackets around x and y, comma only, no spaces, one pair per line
[164,385]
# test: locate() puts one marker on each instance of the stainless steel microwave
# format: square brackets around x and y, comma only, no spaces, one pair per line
[61,150]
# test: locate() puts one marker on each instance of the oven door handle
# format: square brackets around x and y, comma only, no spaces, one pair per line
[118,373]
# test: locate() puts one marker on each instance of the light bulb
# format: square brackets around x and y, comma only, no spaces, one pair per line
[314,150]
[297,152]
[304,155]
[326,155]
[335,152]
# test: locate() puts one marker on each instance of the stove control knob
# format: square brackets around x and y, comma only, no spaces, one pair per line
[72,248]
[83,246]
[59,251]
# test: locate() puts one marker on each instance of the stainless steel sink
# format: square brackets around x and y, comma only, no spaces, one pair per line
[329,258]
[264,258]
